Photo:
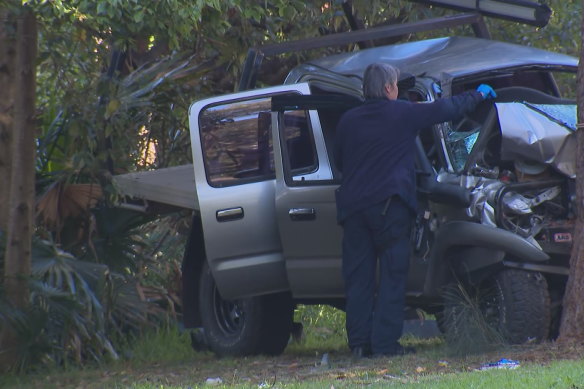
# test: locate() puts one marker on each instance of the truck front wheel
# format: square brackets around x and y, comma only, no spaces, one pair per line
[248,326]
[513,302]
[519,305]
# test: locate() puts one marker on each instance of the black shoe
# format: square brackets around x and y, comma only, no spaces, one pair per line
[397,351]
[360,352]
[401,350]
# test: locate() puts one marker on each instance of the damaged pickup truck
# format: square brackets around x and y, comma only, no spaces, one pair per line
[496,192]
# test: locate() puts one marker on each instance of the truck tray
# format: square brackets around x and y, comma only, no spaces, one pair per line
[174,186]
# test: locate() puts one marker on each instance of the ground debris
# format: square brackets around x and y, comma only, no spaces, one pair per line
[390,377]
[500,364]
[214,381]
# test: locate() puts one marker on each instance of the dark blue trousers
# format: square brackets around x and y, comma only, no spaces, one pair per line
[375,312]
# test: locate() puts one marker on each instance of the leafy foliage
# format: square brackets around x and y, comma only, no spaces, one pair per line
[78,311]
[560,35]
[89,100]
[115,80]
[116,241]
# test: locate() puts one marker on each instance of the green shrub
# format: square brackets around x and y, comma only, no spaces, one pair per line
[467,330]
[166,344]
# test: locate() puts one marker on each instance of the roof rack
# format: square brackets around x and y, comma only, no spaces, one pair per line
[521,11]
[256,55]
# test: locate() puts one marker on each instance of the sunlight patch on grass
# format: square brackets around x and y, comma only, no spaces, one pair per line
[324,330]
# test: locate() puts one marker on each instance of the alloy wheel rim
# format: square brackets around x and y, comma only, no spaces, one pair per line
[229,315]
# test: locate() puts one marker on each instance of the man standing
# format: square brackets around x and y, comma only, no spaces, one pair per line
[376,202]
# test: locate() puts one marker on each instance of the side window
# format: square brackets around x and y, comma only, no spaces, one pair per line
[307,126]
[299,144]
[329,119]
[236,141]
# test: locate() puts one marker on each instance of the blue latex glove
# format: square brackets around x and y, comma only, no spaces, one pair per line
[487,91]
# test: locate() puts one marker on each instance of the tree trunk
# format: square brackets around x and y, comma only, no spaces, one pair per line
[20,215]
[7,55]
[17,258]
[571,328]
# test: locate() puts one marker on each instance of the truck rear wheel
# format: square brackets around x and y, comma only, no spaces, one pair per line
[249,326]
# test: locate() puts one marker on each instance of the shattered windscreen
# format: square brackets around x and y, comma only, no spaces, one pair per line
[460,144]
[564,114]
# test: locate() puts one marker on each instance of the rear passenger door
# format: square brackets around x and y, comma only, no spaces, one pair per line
[305,204]
[235,181]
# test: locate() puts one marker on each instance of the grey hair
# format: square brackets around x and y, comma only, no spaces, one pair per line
[376,77]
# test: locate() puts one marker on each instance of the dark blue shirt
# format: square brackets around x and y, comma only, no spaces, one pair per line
[375,146]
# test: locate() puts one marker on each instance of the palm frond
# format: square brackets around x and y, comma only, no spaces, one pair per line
[77,308]
[116,240]
[62,201]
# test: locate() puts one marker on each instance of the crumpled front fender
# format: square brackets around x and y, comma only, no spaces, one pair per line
[461,233]
[466,236]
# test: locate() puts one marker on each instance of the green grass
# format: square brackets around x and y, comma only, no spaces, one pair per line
[165,344]
[560,375]
[324,329]
[163,359]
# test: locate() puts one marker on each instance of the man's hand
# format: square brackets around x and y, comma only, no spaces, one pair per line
[487,91]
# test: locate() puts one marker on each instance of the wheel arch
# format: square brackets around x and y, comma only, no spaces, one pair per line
[193,259]
[474,248]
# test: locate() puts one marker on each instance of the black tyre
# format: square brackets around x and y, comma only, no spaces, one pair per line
[517,303]
[441,321]
[514,303]
[277,323]
[243,327]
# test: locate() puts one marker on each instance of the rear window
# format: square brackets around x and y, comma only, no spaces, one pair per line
[236,142]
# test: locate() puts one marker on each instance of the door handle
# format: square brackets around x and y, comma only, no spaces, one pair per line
[302,214]
[229,214]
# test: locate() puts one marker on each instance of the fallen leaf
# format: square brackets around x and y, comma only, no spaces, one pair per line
[420,369]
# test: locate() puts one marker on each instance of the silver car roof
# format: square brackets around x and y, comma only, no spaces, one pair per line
[457,56]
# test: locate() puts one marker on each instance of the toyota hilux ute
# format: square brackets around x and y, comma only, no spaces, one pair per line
[496,204]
